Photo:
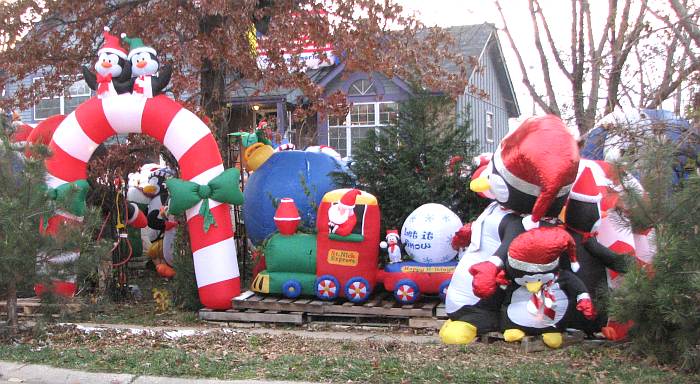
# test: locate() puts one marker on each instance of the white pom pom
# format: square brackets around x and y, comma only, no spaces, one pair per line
[529,224]
[106,29]
[575,266]
[383,245]
[123,35]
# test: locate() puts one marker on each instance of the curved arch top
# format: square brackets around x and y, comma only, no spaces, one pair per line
[191,143]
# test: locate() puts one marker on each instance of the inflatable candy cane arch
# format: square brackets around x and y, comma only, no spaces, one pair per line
[194,147]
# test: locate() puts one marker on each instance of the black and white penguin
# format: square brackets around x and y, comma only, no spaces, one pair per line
[161,251]
[582,218]
[541,298]
[112,67]
[146,80]
[530,176]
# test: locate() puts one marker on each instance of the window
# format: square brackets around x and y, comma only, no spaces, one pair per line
[346,131]
[362,87]
[489,126]
[64,104]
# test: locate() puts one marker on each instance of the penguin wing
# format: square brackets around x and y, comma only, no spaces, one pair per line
[158,83]
[615,261]
[571,284]
[126,71]
[154,220]
[90,78]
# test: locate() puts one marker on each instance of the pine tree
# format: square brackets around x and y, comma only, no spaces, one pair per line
[22,247]
[408,164]
[663,301]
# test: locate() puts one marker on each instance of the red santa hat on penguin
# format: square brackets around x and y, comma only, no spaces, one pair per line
[112,44]
[585,189]
[538,250]
[539,158]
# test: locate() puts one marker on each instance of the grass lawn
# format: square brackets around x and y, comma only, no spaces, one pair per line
[241,355]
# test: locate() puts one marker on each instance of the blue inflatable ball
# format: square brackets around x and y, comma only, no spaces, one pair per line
[287,174]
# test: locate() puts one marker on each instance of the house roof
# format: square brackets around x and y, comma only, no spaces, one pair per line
[470,40]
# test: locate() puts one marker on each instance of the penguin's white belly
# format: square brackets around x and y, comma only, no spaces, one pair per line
[169,243]
[518,309]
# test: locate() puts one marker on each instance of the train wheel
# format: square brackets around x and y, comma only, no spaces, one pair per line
[291,289]
[358,290]
[327,287]
[406,291]
[443,289]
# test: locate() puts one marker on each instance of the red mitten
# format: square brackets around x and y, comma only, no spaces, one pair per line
[485,279]
[463,237]
[501,278]
[170,225]
[586,307]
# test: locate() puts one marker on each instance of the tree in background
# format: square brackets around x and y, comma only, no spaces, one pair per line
[420,159]
[623,56]
[211,47]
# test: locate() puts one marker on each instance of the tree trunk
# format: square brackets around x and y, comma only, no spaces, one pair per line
[12,306]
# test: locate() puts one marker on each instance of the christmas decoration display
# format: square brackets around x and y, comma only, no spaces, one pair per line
[427,234]
[541,293]
[256,155]
[341,214]
[113,70]
[287,217]
[530,182]
[193,146]
[325,150]
[480,175]
[165,225]
[302,176]
[290,265]
[392,245]
[42,133]
[135,195]
[21,131]
[148,78]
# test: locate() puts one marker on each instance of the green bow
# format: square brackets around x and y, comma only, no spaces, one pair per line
[70,196]
[186,194]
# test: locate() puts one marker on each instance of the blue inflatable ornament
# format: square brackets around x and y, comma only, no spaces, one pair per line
[292,174]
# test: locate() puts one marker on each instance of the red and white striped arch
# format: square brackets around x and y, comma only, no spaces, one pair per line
[194,147]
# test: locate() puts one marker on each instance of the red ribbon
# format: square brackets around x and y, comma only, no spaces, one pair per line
[586,235]
[137,87]
[103,82]
[538,299]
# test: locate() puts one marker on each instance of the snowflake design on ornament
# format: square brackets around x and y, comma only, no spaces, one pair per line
[428,218]
[446,219]
[412,219]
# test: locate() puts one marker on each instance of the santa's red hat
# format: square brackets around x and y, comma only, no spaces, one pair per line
[348,199]
[585,188]
[540,158]
[112,44]
[392,232]
[538,250]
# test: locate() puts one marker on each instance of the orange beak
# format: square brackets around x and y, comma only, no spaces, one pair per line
[140,64]
[106,64]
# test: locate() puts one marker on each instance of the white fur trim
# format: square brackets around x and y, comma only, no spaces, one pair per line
[520,184]
[496,261]
[532,267]
[582,296]
[112,50]
[141,49]
[585,198]
[528,224]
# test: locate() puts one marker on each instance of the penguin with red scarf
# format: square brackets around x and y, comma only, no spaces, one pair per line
[392,245]
[112,67]
[530,176]
[147,79]
[542,297]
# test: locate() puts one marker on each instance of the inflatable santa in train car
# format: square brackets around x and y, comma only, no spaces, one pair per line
[530,177]
[341,215]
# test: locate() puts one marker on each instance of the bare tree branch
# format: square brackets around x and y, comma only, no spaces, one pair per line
[551,96]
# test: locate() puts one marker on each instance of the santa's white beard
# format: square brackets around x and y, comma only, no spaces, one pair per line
[338,215]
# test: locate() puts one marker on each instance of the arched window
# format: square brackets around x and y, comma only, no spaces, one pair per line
[362,87]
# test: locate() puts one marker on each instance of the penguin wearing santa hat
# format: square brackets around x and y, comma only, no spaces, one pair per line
[112,67]
[341,215]
[529,176]
[147,80]
[392,245]
[583,216]
[161,250]
[542,295]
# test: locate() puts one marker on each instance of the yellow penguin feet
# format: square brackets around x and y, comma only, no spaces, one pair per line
[512,335]
[552,340]
[457,332]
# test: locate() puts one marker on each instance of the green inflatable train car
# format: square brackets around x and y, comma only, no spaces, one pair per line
[290,265]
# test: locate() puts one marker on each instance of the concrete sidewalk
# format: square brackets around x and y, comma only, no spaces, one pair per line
[43,374]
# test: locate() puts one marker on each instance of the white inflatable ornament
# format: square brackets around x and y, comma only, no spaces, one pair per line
[427,234]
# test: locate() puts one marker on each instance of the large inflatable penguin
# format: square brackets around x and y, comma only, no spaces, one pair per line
[530,177]
[583,216]
[541,297]
[147,80]
[113,70]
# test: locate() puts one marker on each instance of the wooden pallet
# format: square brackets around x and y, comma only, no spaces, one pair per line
[382,309]
[31,307]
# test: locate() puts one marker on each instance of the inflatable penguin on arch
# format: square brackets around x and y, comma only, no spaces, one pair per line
[161,250]
[530,177]
[146,79]
[113,69]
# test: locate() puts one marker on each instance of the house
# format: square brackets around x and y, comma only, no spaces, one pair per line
[375,98]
